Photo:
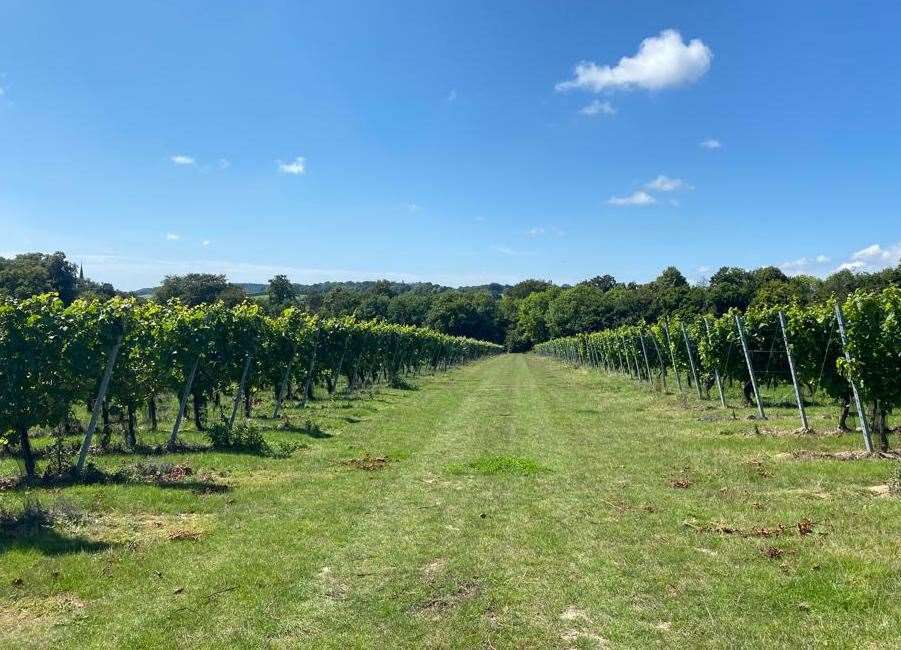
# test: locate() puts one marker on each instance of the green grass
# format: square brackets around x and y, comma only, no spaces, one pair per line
[510,503]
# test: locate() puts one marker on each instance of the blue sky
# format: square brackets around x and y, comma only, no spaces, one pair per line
[454,142]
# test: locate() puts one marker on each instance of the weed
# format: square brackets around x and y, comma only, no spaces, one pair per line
[495,465]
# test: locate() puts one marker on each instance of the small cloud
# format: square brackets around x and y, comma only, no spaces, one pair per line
[852,266]
[224,163]
[504,250]
[821,259]
[479,219]
[666,184]
[535,232]
[710,143]
[639,197]
[662,61]
[171,236]
[181,159]
[205,243]
[873,258]
[870,252]
[452,95]
[795,266]
[413,207]
[297,167]
[598,107]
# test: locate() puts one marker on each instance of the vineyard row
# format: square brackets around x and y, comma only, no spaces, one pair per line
[125,352]
[850,351]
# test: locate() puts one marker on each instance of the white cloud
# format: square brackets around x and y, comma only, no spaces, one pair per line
[662,61]
[666,184]
[171,236]
[805,265]
[504,250]
[597,107]
[639,197]
[224,163]
[205,243]
[710,143]
[413,207]
[452,95]
[873,258]
[537,231]
[181,159]
[296,167]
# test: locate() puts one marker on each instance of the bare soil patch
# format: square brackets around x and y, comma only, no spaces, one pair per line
[367,463]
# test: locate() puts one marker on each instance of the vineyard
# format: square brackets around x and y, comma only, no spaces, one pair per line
[214,476]
[849,352]
[125,356]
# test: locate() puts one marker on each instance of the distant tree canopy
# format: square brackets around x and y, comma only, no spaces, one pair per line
[197,288]
[281,292]
[34,273]
[520,316]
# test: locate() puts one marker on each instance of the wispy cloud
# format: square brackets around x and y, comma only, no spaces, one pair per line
[296,167]
[224,163]
[662,61]
[452,95]
[639,197]
[597,107]
[710,143]
[205,243]
[541,231]
[666,184]
[181,159]
[412,208]
[171,236]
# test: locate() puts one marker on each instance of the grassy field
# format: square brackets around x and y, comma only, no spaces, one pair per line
[511,503]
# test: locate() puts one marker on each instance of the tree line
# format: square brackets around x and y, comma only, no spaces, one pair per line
[518,316]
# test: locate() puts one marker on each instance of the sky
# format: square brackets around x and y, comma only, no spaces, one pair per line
[455,142]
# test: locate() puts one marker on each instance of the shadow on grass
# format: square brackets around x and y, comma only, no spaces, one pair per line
[47,541]
[165,475]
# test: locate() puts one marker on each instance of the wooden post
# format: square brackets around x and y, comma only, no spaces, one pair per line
[184,400]
[660,361]
[669,346]
[744,347]
[283,389]
[644,352]
[791,368]
[691,361]
[309,381]
[240,393]
[98,406]
[635,361]
[626,355]
[864,427]
[716,372]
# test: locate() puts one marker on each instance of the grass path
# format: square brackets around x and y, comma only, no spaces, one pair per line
[524,504]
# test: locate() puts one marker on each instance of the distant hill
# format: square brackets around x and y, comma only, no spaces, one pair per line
[253,288]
